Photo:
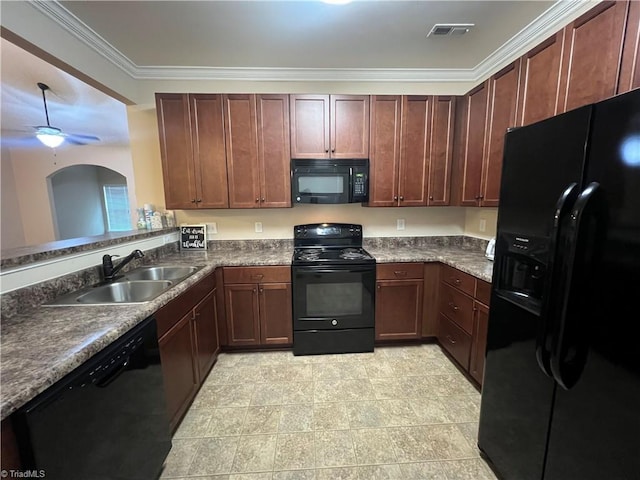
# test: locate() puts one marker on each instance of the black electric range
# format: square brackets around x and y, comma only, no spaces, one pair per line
[333,290]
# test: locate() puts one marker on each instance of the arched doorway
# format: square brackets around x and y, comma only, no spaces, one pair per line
[88,200]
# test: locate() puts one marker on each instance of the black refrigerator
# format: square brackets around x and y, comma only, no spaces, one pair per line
[561,389]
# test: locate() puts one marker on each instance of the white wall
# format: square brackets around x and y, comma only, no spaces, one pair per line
[77,202]
[32,167]
[11,229]
[475,218]
[377,222]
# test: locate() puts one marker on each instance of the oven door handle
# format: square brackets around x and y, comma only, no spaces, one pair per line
[314,270]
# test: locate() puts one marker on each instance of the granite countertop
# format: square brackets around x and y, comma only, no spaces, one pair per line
[41,347]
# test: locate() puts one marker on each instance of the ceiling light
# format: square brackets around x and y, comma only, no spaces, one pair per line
[52,137]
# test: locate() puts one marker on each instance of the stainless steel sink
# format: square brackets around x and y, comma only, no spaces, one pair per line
[160,273]
[124,292]
[140,285]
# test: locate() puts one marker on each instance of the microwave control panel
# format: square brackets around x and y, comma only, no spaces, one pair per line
[359,184]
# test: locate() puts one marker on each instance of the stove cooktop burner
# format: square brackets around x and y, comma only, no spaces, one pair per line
[331,254]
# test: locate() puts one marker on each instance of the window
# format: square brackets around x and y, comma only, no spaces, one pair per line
[116,205]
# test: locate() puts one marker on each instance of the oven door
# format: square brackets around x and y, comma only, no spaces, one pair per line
[333,297]
[321,186]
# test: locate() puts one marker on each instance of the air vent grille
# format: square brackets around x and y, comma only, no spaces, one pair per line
[444,29]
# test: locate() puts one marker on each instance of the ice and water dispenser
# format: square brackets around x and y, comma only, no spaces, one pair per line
[521,269]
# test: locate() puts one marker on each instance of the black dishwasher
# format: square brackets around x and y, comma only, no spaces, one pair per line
[106,420]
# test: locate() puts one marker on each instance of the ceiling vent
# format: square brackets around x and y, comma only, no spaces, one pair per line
[444,29]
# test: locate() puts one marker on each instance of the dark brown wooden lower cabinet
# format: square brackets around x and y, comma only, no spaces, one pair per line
[243,314]
[206,333]
[399,309]
[455,340]
[479,344]
[189,344]
[276,324]
[179,368]
[259,314]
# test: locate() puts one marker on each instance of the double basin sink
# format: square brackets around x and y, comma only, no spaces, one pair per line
[140,285]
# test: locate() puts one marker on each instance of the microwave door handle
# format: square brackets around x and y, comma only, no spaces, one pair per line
[553,292]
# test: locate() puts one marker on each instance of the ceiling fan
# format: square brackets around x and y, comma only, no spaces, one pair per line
[53,136]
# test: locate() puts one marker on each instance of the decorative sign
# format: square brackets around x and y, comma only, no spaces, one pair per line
[193,237]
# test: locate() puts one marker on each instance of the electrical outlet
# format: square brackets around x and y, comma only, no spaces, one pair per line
[212,228]
[258,227]
[400,224]
[483,225]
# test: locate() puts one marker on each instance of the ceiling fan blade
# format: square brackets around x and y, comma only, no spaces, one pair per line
[77,139]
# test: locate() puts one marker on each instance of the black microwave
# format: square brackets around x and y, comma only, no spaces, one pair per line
[329,181]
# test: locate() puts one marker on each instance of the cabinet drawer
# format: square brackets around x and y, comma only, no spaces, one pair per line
[461,280]
[173,311]
[278,274]
[483,292]
[457,306]
[455,341]
[399,271]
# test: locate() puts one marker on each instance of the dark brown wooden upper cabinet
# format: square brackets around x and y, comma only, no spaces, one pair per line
[472,145]
[411,150]
[540,81]
[258,159]
[503,103]
[242,150]
[209,155]
[441,151]
[414,150]
[329,126]
[591,55]
[193,150]
[630,66]
[384,150]
[274,150]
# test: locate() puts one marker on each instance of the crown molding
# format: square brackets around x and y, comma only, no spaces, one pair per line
[77,28]
[547,23]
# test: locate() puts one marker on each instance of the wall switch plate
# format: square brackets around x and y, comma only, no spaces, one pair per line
[212,227]
[483,225]
[400,224]
[258,227]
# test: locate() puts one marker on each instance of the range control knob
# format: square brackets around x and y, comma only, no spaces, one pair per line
[334,322]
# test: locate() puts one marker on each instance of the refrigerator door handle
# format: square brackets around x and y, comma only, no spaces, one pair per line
[584,240]
[553,294]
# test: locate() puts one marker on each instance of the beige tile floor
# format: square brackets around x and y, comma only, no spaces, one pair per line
[398,413]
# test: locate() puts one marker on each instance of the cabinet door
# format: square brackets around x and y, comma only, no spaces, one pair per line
[479,342]
[209,155]
[276,320]
[206,333]
[309,126]
[349,133]
[178,368]
[242,151]
[174,126]
[384,150]
[274,150]
[243,321]
[503,101]
[630,64]
[474,138]
[431,297]
[398,309]
[455,340]
[540,80]
[414,152]
[592,51]
[441,151]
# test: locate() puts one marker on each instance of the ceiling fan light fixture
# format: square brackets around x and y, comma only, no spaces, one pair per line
[50,136]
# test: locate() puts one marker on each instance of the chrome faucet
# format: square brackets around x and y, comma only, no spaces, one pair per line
[109,271]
